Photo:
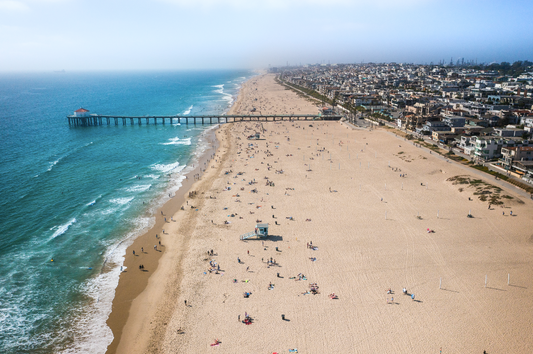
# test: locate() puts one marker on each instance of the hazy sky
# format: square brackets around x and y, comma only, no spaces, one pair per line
[197,34]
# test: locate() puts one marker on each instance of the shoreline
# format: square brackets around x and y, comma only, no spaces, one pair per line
[130,287]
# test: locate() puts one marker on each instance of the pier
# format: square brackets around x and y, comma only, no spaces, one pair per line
[101,119]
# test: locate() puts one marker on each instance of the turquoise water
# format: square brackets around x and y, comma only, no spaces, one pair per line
[80,195]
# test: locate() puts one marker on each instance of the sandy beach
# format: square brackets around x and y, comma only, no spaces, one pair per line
[355,216]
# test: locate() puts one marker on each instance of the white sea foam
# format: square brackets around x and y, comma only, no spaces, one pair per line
[178,141]
[220,88]
[166,168]
[91,333]
[188,111]
[176,184]
[121,201]
[225,96]
[14,317]
[94,201]
[61,229]
[52,164]
[152,176]
[139,188]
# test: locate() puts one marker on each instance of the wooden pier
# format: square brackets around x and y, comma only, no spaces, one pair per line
[100,119]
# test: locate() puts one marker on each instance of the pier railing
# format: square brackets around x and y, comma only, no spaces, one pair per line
[100,119]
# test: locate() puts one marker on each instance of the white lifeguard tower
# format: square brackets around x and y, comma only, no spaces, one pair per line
[261,230]
[82,112]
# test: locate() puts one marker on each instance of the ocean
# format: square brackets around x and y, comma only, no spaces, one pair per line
[73,198]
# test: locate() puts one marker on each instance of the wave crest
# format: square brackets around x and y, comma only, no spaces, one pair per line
[166,168]
[178,141]
[61,229]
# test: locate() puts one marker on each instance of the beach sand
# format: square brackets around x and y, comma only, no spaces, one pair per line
[365,199]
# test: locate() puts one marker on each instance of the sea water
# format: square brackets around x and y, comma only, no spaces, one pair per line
[73,198]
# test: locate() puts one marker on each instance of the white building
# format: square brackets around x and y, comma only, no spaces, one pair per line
[488,148]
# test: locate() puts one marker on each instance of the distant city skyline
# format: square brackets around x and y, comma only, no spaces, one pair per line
[52,35]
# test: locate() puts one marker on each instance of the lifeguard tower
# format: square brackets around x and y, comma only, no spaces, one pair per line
[261,231]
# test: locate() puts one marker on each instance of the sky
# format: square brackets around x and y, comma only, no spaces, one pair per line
[87,35]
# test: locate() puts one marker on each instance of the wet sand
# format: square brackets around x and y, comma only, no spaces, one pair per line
[133,281]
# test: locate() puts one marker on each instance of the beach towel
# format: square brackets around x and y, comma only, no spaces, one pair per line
[293,350]
[217,342]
